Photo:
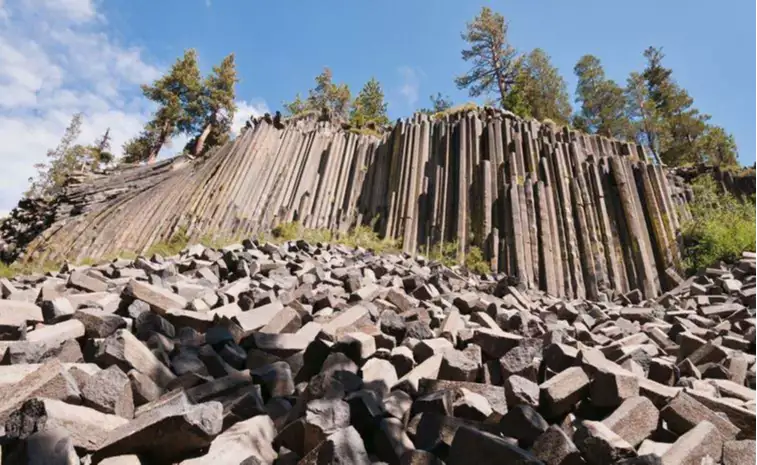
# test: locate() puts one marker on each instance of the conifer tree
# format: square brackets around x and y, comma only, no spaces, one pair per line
[326,95]
[214,110]
[643,114]
[684,134]
[603,102]
[717,147]
[99,152]
[296,106]
[369,106]
[177,93]
[491,54]
[62,160]
[539,91]
[69,157]
[440,103]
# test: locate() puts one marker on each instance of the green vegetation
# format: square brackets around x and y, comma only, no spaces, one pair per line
[369,106]
[439,104]
[175,244]
[286,231]
[213,111]
[539,91]
[365,237]
[721,229]
[326,95]
[361,236]
[454,110]
[187,105]
[444,253]
[67,158]
[493,58]
[602,100]
[475,262]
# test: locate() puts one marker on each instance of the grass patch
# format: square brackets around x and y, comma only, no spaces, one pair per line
[175,244]
[16,269]
[455,109]
[218,241]
[366,132]
[361,236]
[721,228]
[475,262]
[365,237]
[287,231]
[444,253]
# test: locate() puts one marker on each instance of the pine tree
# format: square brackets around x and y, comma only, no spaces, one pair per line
[492,56]
[717,147]
[539,91]
[603,102]
[333,97]
[295,107]
[326,95]
[68,157]
[684,133]
[63,160]
[99,152]
[177,94]
[643,114]
[214,111]
[369,106]
[137,148]
[439,104]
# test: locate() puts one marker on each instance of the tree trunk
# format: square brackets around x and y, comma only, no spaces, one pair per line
[201,140]
[159,144]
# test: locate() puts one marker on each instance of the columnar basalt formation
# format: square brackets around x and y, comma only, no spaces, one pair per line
[572,214]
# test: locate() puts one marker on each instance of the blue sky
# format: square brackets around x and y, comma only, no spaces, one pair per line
[62,56]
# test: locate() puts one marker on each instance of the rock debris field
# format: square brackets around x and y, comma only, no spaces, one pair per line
[318,354]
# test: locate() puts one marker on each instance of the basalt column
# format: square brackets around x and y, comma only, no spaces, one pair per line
[572,214]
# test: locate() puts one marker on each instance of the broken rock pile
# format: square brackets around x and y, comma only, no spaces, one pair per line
[318,354]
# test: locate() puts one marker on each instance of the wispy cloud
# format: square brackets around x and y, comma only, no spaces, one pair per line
[410,86]
[246,110]
[58,58]
[208,3]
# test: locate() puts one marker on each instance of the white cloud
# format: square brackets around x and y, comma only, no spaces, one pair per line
[245,110]
[55,61]
[411,79]
[73,10]
[208,3]
[57,58]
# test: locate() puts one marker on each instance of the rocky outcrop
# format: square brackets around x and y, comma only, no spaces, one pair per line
[303,353]
[738,182]
[571,214]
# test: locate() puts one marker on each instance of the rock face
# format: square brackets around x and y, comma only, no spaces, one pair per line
[557,210]
[320,354]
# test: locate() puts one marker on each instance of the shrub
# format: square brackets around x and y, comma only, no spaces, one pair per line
[475,261]
[7,271]
[175,244]
[365,237]
[313,236]
[286,231]
[721,228]
[444,253]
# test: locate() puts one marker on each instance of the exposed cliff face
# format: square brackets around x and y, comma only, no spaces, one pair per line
[572,214]
[740,183]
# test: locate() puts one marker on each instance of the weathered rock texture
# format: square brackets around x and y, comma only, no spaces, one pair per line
[571,214]
[320,354]
[739,182]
